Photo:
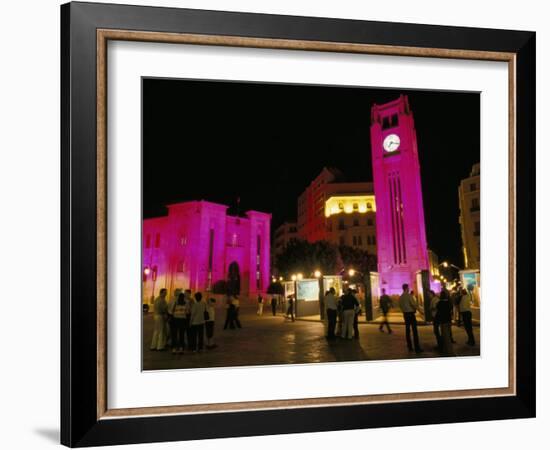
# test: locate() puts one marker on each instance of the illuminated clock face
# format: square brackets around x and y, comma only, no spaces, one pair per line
[391,143]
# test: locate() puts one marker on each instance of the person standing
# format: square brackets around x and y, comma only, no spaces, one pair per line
[443,318]
[434,300]
[260,305]
[237,304]
[178,324]
[408,306]
[290,310]
[159,316]
[332,312]
[198,311]
[349,304]
[210,318]
[229,314]
[465,308]
[357,312]
[188,306]
[385,306]
[274,305]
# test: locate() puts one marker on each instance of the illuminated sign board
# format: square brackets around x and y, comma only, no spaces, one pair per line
[308,290]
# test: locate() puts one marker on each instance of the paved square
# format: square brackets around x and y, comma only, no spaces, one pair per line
[274,340]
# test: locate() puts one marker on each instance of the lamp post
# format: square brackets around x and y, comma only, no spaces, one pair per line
[317,274]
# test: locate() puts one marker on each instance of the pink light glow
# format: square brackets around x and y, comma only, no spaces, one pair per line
[194,244]
[400,226]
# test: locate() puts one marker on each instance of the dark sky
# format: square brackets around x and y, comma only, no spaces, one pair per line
[265,143]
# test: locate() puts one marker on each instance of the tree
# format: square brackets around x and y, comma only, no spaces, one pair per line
[304,257]
[357,259]
[233,279]
[276,288]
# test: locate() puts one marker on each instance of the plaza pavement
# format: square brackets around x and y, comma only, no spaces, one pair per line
[274,340]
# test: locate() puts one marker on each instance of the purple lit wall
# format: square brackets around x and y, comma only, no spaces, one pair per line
[400,226]
[192,247]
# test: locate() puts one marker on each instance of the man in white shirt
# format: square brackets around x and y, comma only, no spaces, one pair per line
[159,310]
[465,309]
[332,307]
[408,306]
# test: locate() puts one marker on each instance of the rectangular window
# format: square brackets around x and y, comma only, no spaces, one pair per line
[148,241]
[354,241]
[360,241]
[473,187]
[211,250]
[342,240]
[394,120]
[355,222]
[341,225]
[179,267]
[474,205]
[369,222]
[157,240]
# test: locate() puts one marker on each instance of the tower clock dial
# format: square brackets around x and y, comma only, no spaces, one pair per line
[391,143]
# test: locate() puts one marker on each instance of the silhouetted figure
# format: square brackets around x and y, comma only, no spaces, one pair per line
[408,306]
[357,312]
[385,306]
[274,305]
[178,324]
[260,305]
[466,313]
[349,305]
[198,311]
[229,314]
[290,310]
[237,304]
[443,318]
[332,311]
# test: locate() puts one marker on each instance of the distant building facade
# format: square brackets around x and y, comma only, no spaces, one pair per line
[434,263]
[284,233]
[342,213]
[194,244]
[469,202]
[351,220]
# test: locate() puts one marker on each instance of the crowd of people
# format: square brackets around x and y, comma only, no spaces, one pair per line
[183,323]
[186,322]
[444,307]
[342,315]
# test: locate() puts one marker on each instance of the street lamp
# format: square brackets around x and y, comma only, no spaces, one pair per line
[300,276]
[351,272]
[317,274]
[293,277]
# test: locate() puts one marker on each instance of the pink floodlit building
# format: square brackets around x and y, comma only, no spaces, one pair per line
[193,246]
[400,228]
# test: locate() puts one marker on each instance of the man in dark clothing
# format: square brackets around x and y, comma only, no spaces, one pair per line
[274,305]
[290,310]
[385,306]
[408,306]
[349,305]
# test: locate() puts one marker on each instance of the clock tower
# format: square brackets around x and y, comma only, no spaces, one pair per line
[400,228]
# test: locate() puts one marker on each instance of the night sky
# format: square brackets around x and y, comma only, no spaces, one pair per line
[265,143]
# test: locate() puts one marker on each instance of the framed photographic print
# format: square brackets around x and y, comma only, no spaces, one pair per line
[277,224]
